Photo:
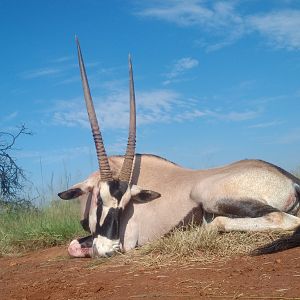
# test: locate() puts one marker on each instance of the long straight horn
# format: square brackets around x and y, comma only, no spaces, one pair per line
[126,170]
[105,172]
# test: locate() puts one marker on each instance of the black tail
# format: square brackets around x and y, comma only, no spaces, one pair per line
[280,244]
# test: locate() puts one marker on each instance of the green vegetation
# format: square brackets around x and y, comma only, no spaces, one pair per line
[23,228]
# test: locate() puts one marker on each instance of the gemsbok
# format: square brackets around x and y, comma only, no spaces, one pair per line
[135,199]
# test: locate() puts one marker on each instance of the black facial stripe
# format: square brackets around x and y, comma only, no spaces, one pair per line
[243,208]
[86,242]
[85,225]
[99,214]
[110,226]
[117,189]
[99,200]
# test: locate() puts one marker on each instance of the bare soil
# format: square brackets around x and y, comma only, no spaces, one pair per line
[51,274]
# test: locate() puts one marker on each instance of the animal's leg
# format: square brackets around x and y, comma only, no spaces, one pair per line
[81,247]
[273,220]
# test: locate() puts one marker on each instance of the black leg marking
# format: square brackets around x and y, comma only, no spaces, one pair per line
[243,208]
[86,242]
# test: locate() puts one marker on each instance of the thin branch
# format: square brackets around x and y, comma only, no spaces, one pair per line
[11,175]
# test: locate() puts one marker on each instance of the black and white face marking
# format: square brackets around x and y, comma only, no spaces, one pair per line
[104,218]
[103,210]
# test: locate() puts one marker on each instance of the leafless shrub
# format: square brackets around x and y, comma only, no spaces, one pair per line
[12,175]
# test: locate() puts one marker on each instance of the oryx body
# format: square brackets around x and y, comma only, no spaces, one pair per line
[248,195]
[138,198]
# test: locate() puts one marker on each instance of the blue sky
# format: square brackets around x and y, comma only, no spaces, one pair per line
[216,81]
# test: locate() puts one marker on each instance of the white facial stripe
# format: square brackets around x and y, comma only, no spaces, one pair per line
[105,211]
[93,219]
[135,189]
[93,211]
[106,197]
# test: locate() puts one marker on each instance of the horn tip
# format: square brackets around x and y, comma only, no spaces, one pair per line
[76,39]
[129,61]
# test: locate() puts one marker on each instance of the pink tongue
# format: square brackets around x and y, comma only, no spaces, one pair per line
[75,250]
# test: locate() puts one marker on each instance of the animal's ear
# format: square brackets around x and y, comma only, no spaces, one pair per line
[76,190]
[140,195]
[71,194]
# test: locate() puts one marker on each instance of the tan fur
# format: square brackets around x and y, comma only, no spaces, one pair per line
[183,190]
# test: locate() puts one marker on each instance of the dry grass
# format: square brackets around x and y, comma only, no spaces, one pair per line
[196,244]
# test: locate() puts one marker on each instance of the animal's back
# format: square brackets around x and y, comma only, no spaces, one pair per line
[255,179]
[152,172]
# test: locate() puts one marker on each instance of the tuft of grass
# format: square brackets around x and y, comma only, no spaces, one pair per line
[23,230]
[196,243]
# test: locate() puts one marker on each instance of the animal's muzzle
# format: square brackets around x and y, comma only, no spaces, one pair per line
[102,250]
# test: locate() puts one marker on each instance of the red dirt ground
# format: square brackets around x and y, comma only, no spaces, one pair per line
[50,274]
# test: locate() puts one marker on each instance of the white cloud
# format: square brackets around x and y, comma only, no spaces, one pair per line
[70,113]
[10,116]
[154,107]
[281,28]
[235,116]
[41,73]
[70,79]
[193,12]
[57,155]
[217,17]
[180,67]
[225,24]
[63,59]
[113,110]
[62,68]
[266,125]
